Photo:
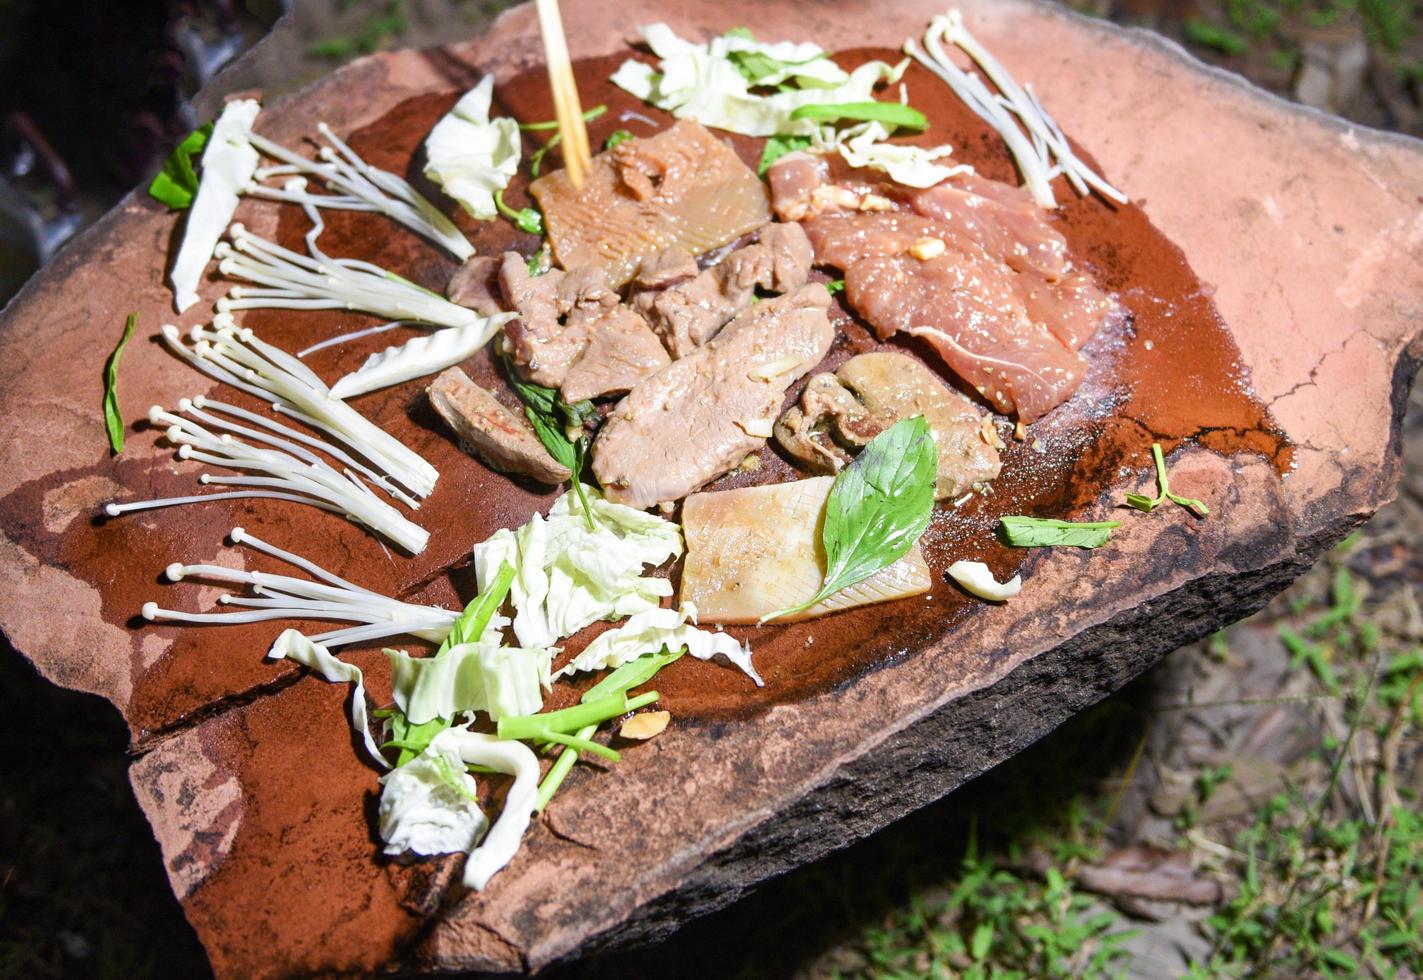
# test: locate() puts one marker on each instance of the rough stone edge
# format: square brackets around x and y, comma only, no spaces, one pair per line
[901,770]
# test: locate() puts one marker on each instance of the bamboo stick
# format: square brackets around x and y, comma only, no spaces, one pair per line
[567,107]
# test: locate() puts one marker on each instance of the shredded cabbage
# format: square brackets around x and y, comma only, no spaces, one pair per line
[483,676]
[516,759]
[228,163]
[912,166]
[649,632]
[709,82]
[428,805]
[471,156]
[567,576]
[292,645]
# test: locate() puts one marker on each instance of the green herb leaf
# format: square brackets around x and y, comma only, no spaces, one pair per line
[878,507]
[1148,504]
[113,419]
[471,623]
[892,113]
[777,147]
[525,219]
[632,674]
[177,182]
[410,739]
[835,286]
[1045,532]
[616,137]
[552,419]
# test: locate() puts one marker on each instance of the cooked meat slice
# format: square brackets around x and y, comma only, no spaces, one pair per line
[500,437]
[698,417]
[1073,308]
[620,352]
[476,285]
[869,393]
[572,332]
[666,268]
[804,185]
[756,550]
[683,187]
[689,314]
[965,306]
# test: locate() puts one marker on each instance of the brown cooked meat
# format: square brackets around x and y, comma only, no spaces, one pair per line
[476,285]
[971,265]
[839,413]
[495,434]
[682,188]
[698,417]
[573,333]
[688,314]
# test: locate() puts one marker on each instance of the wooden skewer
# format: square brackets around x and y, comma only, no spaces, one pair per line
[567,107]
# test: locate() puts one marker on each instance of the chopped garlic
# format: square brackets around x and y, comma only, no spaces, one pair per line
[772,370]
[761,428]
[927,248]
[976,578]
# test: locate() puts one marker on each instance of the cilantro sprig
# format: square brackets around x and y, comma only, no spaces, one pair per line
[525,219]
[1149,504]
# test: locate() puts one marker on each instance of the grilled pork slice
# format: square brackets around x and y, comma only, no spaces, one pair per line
[756,550]
[476,285]
[490,431]
[698,417]
[970,264]
[869,393]
[573,333]
[688,314]
[683,187]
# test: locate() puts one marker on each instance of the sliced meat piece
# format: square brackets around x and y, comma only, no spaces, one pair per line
[621,351]
[1073,308]
[869,393]
[973,315]
[698,417]
[666,268]
[804,185]
[687,315]
[497,435]
[476,285]
[843,239]
[756,550]
[573,334]
[1004,220]
[683,187]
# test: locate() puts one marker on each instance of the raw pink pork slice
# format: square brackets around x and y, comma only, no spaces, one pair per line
[970,265]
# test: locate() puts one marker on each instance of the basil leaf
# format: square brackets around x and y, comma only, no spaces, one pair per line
[113,419]
[1044,532]
[777,147]
[893,113]
[878,507]
[177,182]
[835,286]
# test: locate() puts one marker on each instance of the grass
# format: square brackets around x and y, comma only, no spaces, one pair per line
[1325,879]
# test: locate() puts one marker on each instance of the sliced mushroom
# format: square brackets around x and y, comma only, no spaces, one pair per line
[839,413]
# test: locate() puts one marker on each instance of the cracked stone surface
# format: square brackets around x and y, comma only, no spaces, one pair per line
[1308,236]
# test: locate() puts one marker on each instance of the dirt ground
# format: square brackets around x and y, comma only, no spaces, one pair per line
[1248,807]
